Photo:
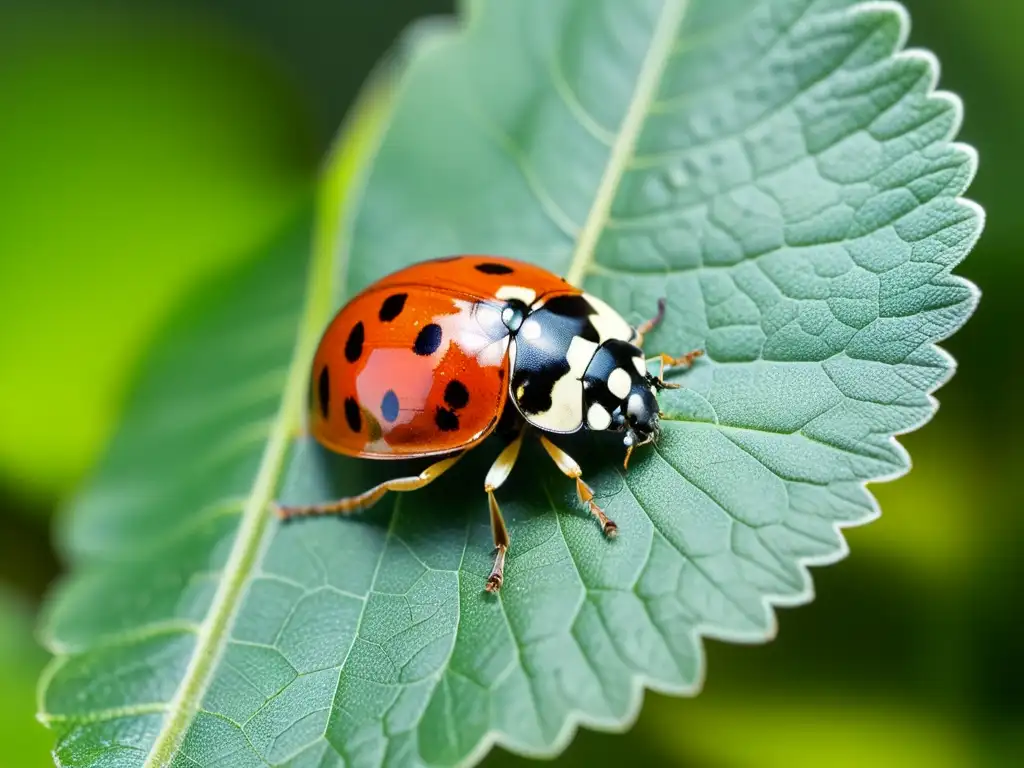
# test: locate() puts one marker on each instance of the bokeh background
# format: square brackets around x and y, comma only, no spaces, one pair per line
[147,145]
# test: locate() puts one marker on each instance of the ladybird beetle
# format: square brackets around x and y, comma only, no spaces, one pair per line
[433,358]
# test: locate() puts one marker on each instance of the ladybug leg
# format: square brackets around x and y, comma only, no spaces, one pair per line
[648,325]
[667,361]
[368,498]
[570,468]
[496,475]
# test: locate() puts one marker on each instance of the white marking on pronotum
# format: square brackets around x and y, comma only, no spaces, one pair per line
[619,383]
[509,292]
[579,355]
[598,417]
[566,412]
[641,366]
[608,323]
[635,406]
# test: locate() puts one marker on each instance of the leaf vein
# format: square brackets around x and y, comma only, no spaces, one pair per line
[652,70]
[694,561]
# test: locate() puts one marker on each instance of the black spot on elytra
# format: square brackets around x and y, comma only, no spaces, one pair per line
[354,343]
[446,419]
[324,391]
[427,340]
[352,415]
[389,406]
[392,307]
[490,268]
[456,394]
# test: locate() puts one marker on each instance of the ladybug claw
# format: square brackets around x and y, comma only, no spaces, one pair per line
[496,578]
[659,383]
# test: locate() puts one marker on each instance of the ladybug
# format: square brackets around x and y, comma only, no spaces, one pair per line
[430,360]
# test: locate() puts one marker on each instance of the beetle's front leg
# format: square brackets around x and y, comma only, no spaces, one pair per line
[667,361]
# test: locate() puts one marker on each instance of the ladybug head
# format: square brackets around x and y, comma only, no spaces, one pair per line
[641,417]
[620,395]
[638,415]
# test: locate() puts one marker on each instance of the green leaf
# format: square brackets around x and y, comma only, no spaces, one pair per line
[780,171]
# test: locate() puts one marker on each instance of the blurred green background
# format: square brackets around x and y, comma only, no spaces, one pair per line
[146,146]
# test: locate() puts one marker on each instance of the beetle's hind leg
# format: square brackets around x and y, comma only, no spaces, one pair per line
[367,499]
[648,325]
[571,469]
[496,476]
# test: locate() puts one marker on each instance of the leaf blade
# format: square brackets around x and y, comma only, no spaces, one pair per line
[181,644]
[812,264]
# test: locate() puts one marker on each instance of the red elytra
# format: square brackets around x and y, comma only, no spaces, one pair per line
[395,360]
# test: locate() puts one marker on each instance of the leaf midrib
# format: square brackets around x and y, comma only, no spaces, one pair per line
[252,530]
[652,70]
[254,524]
